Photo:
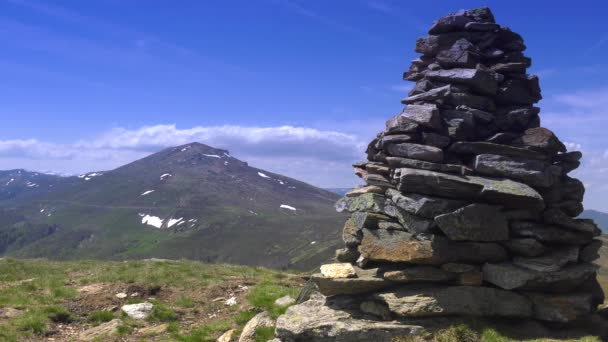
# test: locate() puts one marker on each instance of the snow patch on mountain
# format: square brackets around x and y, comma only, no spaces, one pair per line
[285,206]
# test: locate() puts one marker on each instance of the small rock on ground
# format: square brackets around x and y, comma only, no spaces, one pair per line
[260,320]
[226,337]
[103,330]
[284,301]
[138,311]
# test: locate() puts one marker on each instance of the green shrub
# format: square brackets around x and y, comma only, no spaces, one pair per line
[162,313]
[58,314]
[264,334]
[101,316]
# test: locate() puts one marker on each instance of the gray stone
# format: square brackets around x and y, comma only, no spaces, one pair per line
[138,311]
[351,234]
[480,147]
[481,81]
[561,308]
[428,96]
[366,202]
[516,92]
[363,219]
[376,309]
[416,274]
[573,156]
[434,139]
[548,233]
[400,124]
[425,206]
[475,222]
[396,162]
[550,262]
[540,139]
[390,226]
[426,115]
[398,138]
[462,54]
[103,331]
[590,252]
[347,255]
[532,172]
[261,320]
[474,101]
[365,190]
[431,301]
[377,180]
[397,246]
[450,23]
[475,26]
[416,151]
[559,218]
[325,320]
[502,138]
[365,282]
[410,222]
[500,191]
[527,247]
[284,301]
[511,277]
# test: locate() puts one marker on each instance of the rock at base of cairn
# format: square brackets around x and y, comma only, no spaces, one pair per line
[468,208]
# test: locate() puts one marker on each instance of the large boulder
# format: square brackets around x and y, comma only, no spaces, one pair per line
[429,301]
[475,222]
[322,319]
[398,246]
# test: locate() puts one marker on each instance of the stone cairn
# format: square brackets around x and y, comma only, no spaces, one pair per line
[468,208]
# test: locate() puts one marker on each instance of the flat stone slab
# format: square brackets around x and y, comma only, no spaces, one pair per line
[531,172]
[416,151]
[365,281]
[475,222]
[561,308]
[479,147]
[429,301]
[481,81]
[417,274]
[425,206]
[510,277]
[398,246]
[548,233]
[322,319]
[492,190]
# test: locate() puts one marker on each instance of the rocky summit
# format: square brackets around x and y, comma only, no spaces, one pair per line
[468,207]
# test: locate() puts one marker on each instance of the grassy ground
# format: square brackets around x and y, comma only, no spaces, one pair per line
[58,300]
[52,300]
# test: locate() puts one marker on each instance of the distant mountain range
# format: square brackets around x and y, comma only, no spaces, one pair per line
[192,201]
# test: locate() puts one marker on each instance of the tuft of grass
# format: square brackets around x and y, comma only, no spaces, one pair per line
[206,333]
[32,322]
[58,314]
[262,296]
[243,317]
[185,302]
[101,316]
[263,334]
[458,333]
[162,313]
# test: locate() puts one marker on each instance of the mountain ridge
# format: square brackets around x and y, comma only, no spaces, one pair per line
[191,201]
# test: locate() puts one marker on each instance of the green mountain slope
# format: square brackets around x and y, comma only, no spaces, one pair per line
[191,201]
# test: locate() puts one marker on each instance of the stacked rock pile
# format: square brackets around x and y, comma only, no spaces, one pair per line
[468,207]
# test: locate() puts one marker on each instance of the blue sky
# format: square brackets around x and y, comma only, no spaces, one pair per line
[296,87]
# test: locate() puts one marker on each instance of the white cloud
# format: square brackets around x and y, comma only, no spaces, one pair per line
[322,157]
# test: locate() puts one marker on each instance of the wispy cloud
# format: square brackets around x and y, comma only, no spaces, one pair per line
[322,157]
[302,10]
[396,10]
